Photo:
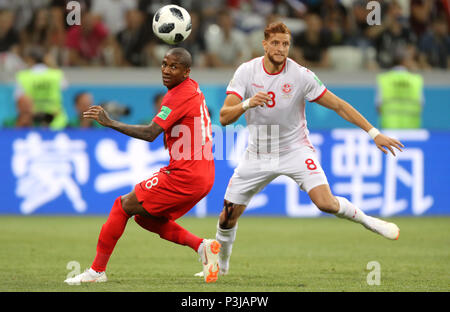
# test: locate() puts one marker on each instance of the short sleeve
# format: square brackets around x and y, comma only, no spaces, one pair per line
[170,112]
[313,87]
[238,83]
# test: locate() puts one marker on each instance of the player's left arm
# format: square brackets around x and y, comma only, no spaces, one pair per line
[144,132]
[349,113]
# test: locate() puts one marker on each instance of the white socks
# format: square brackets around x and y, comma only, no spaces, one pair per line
[226,238]
[200,248]
[350,212]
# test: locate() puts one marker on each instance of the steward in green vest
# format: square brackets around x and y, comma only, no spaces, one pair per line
[400,99]
[43,85]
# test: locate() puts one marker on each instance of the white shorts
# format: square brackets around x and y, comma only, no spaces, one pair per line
[254,172]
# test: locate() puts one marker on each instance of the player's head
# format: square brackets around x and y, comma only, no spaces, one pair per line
[175,67]
[276,43]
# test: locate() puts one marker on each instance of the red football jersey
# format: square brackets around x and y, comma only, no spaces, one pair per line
[185,119]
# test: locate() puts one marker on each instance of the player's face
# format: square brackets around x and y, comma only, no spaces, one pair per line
[173,72]
[277,47]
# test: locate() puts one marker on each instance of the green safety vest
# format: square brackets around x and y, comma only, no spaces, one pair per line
[401,99]
[44,88]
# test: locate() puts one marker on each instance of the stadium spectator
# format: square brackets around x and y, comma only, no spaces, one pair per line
[335,20]
[113,13]
[209,10]
[42,86]
[23,11]
[148,8]
[420,16]
[93,43]
[24,115]
[435,46]
[82,101]
[225,45]
[325,8]
[56,35]
[9,38]
[195,43]
[132,44]
[393,36]
[400,96]
[311,45]
[36,32]
[361,33]
[85,42]
[61,6]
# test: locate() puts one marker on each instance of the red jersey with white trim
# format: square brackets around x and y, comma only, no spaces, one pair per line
[185,119]
[288,89]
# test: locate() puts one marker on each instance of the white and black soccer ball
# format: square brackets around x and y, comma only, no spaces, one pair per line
[172,24]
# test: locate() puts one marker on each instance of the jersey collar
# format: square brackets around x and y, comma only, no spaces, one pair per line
[284,65]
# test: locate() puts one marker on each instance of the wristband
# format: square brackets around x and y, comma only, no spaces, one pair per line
[373,132]
[246,104]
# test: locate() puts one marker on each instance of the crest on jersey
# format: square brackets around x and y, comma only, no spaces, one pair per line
[287,88]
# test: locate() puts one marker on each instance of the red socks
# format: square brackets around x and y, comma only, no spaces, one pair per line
[109,235]
[169,230]
[113,229]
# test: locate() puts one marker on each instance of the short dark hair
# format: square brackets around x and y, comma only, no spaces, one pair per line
[77,96]
[183,55]
[37,54]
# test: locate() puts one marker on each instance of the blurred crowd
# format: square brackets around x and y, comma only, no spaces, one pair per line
[327,34]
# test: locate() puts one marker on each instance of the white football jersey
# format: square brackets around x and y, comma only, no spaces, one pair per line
[281,125]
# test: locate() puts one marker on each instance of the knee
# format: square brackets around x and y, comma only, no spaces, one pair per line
[139,220]
[131,205]
[230,214]
[328,205]
[125,203]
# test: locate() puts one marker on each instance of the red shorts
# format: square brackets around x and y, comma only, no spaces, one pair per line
[161,197]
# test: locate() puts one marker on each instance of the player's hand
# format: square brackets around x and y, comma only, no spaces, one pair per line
[99,114]
[260,99]
[384,142]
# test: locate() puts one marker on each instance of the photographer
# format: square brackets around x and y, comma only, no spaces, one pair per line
[82,101]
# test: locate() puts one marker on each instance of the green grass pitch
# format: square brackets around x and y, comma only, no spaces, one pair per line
[269,255]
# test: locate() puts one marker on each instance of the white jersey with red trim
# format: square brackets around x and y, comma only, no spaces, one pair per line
[281,125]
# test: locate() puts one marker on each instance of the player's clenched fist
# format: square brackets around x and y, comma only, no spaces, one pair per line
[260,99]
[99,114]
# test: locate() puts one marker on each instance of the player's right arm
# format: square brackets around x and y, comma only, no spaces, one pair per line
[233,108]
[144,132]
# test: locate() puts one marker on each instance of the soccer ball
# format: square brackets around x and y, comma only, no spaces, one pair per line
[172,24]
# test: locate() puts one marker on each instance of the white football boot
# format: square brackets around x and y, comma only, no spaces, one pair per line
[223,267]
[386,229]
[209,256]
[88,276]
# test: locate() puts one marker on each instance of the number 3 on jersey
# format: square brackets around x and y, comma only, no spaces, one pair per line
[272,96]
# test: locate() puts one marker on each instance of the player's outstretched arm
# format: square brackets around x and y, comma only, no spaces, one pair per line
[233,108]
[349,113]
[144,132]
